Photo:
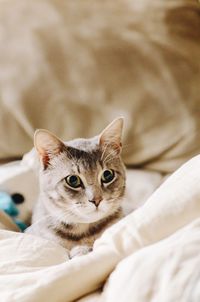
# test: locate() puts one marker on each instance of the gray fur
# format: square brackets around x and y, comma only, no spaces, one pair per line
[65,215]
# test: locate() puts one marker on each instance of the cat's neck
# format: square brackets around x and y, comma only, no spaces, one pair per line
[70,234]
[96,226]
[78,231]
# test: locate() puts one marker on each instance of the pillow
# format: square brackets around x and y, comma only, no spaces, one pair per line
[72,67]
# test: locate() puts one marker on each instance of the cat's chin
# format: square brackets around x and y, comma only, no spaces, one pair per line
[93,217]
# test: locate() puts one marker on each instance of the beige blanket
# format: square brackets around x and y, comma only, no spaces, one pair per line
[151,255]
[72,66]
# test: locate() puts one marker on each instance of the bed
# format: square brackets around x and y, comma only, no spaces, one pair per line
[71,67]
[151,254]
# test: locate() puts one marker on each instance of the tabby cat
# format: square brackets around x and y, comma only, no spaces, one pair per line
[82,184]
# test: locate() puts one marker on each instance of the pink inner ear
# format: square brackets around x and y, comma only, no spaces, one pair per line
[44,158]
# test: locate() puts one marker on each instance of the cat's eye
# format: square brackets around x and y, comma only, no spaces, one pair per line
[107,176]
[73,181]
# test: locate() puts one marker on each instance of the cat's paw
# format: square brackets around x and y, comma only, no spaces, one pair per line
[79,250]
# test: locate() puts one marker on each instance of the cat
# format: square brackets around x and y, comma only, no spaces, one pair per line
[82,184]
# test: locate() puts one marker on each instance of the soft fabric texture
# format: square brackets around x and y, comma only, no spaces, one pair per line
[72,66]
[157,243]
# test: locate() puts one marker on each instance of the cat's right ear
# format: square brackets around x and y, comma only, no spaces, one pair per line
[110,138]
[47,145]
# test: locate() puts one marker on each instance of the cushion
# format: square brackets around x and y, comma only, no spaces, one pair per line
[71,67]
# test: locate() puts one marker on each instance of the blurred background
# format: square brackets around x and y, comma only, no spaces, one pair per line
[73,66]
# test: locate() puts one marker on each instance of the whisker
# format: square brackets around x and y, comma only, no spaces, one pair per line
[110,156]
[109,159]
[104,151]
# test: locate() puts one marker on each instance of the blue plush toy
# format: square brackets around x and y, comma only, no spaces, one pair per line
[8,205]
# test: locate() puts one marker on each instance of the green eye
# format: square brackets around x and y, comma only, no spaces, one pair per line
[107,176]
[73,181]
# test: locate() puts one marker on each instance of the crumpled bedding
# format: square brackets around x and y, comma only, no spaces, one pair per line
[150,255]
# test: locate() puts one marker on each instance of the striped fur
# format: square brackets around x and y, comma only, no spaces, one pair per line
[67,215]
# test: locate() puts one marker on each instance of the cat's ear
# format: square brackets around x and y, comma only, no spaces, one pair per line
[111,135]
[47,145]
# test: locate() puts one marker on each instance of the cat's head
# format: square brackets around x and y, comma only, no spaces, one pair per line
[82,180]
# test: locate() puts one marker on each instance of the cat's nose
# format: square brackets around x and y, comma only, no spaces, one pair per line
[96,201]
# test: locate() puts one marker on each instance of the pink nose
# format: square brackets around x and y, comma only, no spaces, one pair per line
[96,201]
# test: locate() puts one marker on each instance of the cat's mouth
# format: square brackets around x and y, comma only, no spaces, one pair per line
[95,214]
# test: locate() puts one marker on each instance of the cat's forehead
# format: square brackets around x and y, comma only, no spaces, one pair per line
[86,159]
[84,144]
[72,161]
[85,153]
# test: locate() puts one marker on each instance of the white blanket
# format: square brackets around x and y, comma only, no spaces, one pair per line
[151,255]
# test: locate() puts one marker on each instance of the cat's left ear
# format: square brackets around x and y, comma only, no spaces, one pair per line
[111,136]
[47,145]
